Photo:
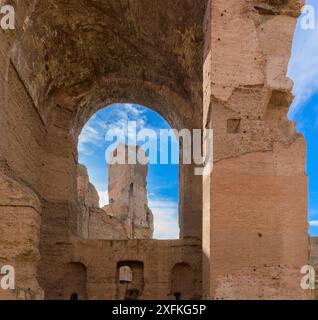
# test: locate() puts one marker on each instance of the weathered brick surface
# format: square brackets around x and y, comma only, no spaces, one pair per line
[67,60]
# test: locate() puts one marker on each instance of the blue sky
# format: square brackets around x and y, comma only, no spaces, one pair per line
[303,70]
[163,188]
[163,179]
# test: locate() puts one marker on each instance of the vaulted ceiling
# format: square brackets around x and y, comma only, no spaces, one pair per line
[71,50]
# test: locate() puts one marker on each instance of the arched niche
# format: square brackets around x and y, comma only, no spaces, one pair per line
[182,281]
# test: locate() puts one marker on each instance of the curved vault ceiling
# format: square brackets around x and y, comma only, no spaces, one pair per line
[71,49]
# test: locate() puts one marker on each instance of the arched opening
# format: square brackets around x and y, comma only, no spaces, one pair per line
[74,281]
[74,296]
[141,194]
[57,72]
[130,280]
[67,75]
[182,282]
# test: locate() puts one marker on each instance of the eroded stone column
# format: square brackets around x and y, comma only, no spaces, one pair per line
[255,219]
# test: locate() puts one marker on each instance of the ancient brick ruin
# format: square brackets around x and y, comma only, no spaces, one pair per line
[217,64]
[128,215]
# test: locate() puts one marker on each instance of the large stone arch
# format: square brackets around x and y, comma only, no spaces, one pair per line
[78,44]
[85,60]
[62,55]
[72,58]
[177,111]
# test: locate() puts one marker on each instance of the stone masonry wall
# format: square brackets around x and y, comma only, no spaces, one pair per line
[255,201]
[21,147]
[55,73]
[102,257]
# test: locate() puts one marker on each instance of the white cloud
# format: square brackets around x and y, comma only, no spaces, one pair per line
[303,67]
[91,136]
[94,132]
[313,223]
[103,198]
[166,224]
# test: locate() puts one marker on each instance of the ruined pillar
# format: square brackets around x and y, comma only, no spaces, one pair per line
[127,188]
[255,201]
